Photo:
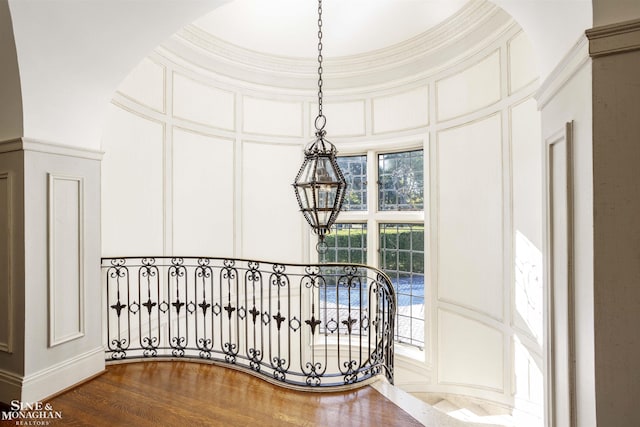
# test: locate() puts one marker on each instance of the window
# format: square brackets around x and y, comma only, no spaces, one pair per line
[401,181]
[402,258]
[346,243]
[395,221]
[354,169]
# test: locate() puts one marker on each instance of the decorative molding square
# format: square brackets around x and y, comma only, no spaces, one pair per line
[6,276]
[56,262]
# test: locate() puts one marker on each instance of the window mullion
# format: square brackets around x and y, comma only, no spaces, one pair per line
[373,254]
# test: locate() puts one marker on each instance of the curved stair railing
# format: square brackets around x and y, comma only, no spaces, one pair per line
[300,325]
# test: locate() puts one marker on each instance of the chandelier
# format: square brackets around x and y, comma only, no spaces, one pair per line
[320,186]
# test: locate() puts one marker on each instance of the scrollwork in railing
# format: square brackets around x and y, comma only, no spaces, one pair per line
[117,272]
[303,325]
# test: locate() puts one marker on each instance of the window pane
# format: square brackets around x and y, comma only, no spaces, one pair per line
[347,243]
[354,169]
[402,258]
[401,181]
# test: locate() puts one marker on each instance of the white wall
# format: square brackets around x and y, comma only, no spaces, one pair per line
[195,167]
[487,223]
[564,98]
[88,48]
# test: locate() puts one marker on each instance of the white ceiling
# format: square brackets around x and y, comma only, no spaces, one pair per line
[289,27]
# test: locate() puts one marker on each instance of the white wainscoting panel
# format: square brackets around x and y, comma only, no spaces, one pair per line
[146,84]
[271,117]
[66,258]
[271,218]
[522,64]
[470,353]
[203,104]
[132,185]
[528,370]
[470,218]
[462,93]
[527,219]
[6,279]
[343,118]
[401,111]
[560,276]
[203,194]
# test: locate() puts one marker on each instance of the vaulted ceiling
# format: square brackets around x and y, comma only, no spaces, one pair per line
[74,53]
[289,27]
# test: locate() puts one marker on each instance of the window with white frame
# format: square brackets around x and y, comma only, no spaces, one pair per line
[392,221]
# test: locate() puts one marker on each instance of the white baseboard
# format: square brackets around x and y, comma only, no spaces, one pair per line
[52,380]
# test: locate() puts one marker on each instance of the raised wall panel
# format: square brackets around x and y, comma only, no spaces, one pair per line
[470,353]
[470,90]
[343,118]
[560,277]
[527,218]
[146,84]
[522,64]
[203,194]
[270,117]
[402,111]
[66,259]
[132,185]
[528,375]
[203,104]
[470,227]
[271,219]
[6,283]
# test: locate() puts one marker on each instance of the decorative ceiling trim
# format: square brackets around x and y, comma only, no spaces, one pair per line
[568,67]
[464,31]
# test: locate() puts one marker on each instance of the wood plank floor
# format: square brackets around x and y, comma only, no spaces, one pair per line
[191,394]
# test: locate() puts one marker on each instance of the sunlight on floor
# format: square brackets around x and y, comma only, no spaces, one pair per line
[477,412]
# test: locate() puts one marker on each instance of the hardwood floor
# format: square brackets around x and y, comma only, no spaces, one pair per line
[191,394]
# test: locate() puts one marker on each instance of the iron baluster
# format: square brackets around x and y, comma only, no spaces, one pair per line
[178,342]
[203,341]
[229,275]
[148,272]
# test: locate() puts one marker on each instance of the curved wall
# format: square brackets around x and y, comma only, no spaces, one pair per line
[201,163]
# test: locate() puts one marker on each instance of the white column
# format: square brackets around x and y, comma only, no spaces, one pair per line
[52,214]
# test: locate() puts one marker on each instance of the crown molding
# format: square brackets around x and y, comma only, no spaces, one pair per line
[614,38]
[465,31]
[570,64]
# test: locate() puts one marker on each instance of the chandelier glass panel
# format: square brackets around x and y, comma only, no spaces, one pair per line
[320,186]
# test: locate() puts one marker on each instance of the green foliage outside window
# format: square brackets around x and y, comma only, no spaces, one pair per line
[402,247]
[346,243]
[401,181]
[354,169]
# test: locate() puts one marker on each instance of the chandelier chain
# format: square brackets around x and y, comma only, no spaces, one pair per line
[320,120]
[320,185]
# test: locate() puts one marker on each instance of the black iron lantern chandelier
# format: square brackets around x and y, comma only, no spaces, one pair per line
[320,186]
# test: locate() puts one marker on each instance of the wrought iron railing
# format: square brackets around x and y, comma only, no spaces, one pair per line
[303,325]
